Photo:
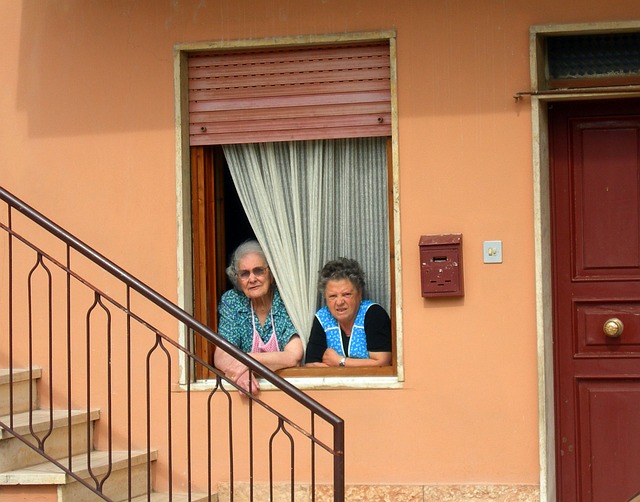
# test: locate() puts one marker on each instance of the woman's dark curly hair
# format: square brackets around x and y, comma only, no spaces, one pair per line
[342,268]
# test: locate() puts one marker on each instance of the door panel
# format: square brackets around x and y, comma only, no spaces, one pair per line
[605,206]
[591,318]
[609,417]
[595,204]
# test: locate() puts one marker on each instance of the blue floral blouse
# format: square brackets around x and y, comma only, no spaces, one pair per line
[234,321]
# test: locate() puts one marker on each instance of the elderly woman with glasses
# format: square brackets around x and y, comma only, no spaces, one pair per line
[348,331]
[253,317]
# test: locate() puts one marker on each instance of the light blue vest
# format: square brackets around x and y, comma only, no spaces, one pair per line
[358,338]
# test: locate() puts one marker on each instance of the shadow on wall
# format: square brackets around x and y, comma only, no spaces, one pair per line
[94,67]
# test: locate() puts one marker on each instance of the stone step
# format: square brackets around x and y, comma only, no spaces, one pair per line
[14,454]
[20,465]
[93,469]
[21,382]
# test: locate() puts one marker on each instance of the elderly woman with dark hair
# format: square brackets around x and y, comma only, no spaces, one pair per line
[348,331]
[253,317]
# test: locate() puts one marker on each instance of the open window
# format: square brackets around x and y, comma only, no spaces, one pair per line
[298,138]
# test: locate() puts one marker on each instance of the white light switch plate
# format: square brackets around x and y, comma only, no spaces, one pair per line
[492,251]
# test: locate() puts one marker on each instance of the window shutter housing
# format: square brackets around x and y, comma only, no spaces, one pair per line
[292,93]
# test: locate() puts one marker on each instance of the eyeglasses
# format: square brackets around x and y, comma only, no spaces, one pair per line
[257,272]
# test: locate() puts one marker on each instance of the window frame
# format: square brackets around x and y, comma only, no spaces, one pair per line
[306,378]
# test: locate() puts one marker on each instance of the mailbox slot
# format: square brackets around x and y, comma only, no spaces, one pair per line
[441,265]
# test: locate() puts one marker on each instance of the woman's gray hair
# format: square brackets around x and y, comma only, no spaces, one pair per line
[244,249]
[342,268]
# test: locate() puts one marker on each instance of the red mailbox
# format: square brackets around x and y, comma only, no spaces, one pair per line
[441,265]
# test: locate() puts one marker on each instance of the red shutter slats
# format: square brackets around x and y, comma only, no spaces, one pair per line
[290,94]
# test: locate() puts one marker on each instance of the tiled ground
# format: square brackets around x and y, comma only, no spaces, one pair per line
[390,493]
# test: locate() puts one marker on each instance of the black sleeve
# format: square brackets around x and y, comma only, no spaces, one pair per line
[317,343]
[377,326]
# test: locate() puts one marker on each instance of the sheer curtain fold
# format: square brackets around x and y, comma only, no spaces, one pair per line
[312,201]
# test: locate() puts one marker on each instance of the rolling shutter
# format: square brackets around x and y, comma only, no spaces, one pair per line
[293,93]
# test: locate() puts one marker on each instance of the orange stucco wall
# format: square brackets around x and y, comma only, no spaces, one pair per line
[87,137]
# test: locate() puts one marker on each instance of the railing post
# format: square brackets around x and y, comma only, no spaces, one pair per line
[338,462]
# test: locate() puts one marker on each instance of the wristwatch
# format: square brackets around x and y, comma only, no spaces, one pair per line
[342,361]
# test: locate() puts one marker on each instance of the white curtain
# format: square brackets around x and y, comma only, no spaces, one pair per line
[312,201]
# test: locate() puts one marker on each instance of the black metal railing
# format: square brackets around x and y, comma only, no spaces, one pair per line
[104,340]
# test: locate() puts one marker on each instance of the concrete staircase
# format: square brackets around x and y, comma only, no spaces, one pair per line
[20,465]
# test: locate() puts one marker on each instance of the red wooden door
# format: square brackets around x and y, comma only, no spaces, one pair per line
[595,208]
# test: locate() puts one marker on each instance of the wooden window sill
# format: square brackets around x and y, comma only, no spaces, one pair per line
[302,372]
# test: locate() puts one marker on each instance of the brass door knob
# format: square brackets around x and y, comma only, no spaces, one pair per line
[613,327]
